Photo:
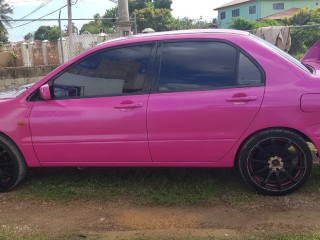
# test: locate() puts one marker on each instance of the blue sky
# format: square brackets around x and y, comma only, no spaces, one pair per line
[87,8]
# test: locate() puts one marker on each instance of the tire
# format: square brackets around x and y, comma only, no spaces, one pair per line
[275,162]
[12,165]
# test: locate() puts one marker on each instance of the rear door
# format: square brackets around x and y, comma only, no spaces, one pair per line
[207,94]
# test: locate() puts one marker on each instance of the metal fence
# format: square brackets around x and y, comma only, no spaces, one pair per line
[297,41]
[26,45]
[303,38]
[35,42]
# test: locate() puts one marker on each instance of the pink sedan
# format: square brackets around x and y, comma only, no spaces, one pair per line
[205,98]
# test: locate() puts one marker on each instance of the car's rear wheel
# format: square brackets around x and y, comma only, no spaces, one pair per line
[275,162]
[12,165]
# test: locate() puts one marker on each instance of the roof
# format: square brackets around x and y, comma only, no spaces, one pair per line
[235,2]
[179,32]
[284,14]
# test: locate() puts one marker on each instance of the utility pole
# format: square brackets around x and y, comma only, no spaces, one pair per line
[123,25]
[70,27]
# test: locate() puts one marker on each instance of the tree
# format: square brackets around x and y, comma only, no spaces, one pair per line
[188,23]
[54,34]
[5,9]
[137,5]
[42,33]
[29,36]
[162,4]
[109,24]
[98,25]
[141,4]
[159,19]
[48,33]
[93,27]
[304,38]
[303,17]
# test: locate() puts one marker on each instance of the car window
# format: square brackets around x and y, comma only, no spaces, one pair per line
[197,65]
[249,73]
[118,71]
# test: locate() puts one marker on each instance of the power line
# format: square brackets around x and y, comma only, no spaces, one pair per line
[35,10]
[39,17]
[25,1]
[38,8]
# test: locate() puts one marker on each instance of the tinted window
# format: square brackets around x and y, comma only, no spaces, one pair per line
[197,66]
[249,73]
[114,72]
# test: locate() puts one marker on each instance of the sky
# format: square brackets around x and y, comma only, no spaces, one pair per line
[87,8]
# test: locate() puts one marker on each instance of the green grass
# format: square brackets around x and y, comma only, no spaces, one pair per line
[152,186]
[147,186]
[287,236]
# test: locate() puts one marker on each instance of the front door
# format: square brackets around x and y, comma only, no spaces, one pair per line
[97,113]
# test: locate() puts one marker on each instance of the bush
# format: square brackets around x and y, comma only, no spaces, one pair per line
[303,39]
[245,24]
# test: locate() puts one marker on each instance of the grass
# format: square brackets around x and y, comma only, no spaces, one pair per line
[6,235]
[151,186]
[146,186]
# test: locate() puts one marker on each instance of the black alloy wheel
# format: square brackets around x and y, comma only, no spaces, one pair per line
[12,165]
[275,162]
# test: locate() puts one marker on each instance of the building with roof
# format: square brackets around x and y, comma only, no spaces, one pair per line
[257,9]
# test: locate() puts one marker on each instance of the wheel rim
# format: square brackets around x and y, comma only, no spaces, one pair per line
[8,170]
[276,164]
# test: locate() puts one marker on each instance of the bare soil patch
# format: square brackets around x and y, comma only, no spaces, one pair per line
[126,220]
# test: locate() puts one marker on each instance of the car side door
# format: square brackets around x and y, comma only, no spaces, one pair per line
[207,94]
[97,114]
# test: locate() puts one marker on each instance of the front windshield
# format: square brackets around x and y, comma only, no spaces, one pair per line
[280,51]
[15,92]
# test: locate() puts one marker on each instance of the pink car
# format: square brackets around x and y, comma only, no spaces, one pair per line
[205,98]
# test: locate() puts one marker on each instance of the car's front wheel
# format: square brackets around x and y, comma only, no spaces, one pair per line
[12,165]
[275,162]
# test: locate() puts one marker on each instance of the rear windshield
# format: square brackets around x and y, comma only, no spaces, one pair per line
[281,52]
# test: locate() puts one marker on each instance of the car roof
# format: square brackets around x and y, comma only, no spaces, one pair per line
[178,32]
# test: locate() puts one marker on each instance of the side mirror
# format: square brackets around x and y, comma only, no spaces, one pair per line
[45,92]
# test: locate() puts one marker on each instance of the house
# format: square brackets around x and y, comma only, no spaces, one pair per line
[257,9]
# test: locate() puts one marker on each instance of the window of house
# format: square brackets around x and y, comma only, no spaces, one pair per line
[252,9]
[278,6]
[119,71]
[236,12]
[188,66]
[223,15]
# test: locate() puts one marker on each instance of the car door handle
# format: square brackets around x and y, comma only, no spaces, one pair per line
[242,99]
[131,105]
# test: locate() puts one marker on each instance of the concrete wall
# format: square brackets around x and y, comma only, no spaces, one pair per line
[14,77]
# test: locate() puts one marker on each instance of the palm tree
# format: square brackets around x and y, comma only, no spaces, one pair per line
[4,20]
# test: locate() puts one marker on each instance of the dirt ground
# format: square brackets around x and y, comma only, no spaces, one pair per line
[125,220]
